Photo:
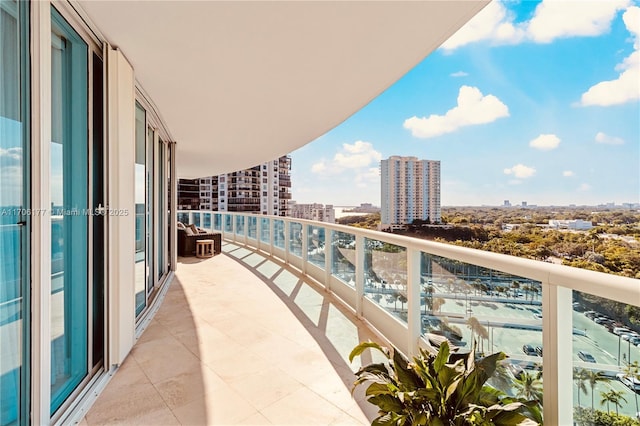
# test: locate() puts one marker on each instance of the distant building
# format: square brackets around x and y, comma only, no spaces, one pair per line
[188,194]
[576,224]
[507,203]
[410,190]
[263,189]
[364,208]
[315,211]
[524,204]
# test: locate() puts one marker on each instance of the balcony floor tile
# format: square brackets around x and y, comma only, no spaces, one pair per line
[240,339]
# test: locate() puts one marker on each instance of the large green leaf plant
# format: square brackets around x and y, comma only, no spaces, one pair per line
[434,391]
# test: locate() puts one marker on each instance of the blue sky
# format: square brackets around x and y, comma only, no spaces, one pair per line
[530,101]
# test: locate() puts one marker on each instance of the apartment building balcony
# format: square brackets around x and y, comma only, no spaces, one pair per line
[261,333]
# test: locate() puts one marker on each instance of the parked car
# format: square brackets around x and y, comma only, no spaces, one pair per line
[539,350]
[634,340]
[590,314]
[602,320]
[630,382]
[529,350]
[628,336]
[586,356]
[621,330]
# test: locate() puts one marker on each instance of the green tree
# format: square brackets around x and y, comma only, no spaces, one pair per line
[529,386]
[593,378]
[633,370]
[614,397]
[580,378]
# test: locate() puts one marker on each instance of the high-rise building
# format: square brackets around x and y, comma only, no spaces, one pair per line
[410,190]
[315,211]
[265,189]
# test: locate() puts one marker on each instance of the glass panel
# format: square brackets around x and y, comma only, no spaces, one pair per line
[182,218]
[278,233]
[252,227]
[315,245]
[140,199]
[69,199]
[196,218]
[385,276]
[295,238]
[240,225]
[207,221]
[150,211]
[228,223]
[161,202]
[217,222]
[499,312]
[265,230]
[606,358]
[14,386]
[344,257]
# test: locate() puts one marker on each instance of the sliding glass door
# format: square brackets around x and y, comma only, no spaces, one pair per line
[14,183]
[69,202]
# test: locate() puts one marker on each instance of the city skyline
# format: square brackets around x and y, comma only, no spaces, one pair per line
[534,101]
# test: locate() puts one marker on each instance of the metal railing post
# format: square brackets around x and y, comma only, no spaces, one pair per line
[359,274]
[328,257]
[557,373]
[413,301]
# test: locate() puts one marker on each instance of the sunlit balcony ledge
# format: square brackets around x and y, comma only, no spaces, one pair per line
[239,339]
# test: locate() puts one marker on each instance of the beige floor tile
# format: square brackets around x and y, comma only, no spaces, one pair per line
[265,387]
[224,348]
[295,409]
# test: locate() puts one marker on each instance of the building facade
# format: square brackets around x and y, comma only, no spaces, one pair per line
[315,211]
[264,189]
[410,190]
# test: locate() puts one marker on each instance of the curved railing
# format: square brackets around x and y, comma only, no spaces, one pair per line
[409,289]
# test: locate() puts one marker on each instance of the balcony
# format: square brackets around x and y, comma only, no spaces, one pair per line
[405,291]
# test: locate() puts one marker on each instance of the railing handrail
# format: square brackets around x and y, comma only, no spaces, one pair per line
[618,288]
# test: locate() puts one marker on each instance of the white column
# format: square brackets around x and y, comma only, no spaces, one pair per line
[121,229]
[557,373]
[40,201]
[359,274]
[413,304]
[271,231]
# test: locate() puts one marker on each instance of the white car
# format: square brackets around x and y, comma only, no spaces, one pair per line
[630,382]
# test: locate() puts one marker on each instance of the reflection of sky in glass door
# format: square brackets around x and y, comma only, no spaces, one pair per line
[13,247]
[69,198]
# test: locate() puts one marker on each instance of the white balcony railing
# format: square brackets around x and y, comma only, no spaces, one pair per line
[519,299]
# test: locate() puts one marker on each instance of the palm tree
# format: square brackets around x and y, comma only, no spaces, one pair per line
[529,386]
[428,303]
[593,377]
[437,303]
[579,376]
[614,397]
[477,328]
[403,299]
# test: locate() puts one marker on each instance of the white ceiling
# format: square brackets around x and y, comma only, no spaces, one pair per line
[239,83]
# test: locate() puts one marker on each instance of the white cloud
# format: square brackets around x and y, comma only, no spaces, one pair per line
[545,142]
[626,87]
[459,74]
[568,173]
[318,167]
[492,23]
[609,140]
[520,171]
[584,187]
[551,20]
[368,177]
[358,155]
[472,108]
[556,19]
[514,182]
